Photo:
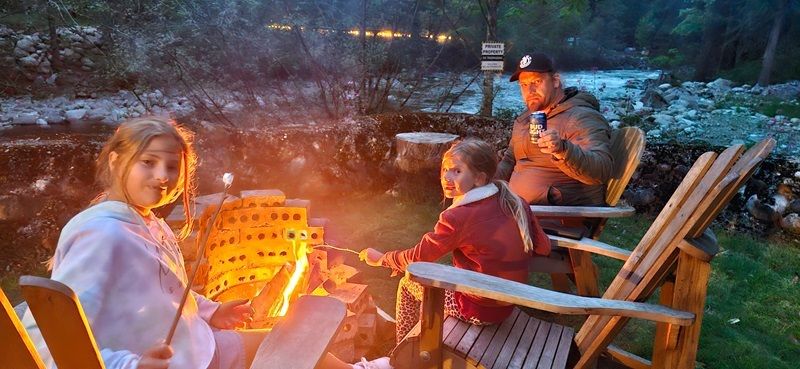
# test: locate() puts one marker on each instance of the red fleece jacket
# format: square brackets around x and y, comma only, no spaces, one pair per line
[483,239]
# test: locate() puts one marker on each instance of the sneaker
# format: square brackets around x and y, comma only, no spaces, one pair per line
[379,363]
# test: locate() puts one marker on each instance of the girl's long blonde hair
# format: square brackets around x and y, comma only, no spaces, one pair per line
[128,142]
[480,157]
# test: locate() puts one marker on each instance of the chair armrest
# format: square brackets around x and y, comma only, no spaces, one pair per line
[302,337]
[461,280]
[590,245]
[618,211]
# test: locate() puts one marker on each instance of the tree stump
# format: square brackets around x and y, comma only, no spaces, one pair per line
[418,159]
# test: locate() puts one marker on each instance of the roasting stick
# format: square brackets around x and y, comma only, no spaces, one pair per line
[324,245]
[227,179]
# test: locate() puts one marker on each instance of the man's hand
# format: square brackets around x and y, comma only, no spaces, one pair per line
[156,357]
[371,256]
[551,143]
[232,314]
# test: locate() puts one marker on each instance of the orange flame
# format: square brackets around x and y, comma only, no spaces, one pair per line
[297,275]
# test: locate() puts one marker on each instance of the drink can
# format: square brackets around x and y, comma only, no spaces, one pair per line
[538,124]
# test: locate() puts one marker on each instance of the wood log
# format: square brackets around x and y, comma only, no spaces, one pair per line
[421,151]
[419,157]
[266,303]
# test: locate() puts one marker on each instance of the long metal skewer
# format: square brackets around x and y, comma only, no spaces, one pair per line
[201,248]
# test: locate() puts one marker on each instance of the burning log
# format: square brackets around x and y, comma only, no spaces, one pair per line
[268,302]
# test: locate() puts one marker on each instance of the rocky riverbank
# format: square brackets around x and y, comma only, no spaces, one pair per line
[716,112]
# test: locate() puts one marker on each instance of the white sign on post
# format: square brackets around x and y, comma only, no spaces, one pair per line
[492,56]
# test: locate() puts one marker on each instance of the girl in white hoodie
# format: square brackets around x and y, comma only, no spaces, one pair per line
[125,265]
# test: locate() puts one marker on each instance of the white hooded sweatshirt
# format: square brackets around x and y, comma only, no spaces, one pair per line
[129,275]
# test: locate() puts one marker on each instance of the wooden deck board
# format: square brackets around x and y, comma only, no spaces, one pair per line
[510,346]
[535,351]
[524,343]
[490,355]
[453,337]
[550,347]
[468,340]
[564,344]
[480,344]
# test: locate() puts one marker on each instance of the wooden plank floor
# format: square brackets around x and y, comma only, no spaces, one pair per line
[520,341]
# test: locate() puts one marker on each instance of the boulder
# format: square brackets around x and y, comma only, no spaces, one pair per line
[663,120]
[720,86]
[793,207]
[5,31]
[791,223]
[25,119]
[20,53]
[75,115]
[761,211]
[653,99]
[27,43]
[98,113]
[784,91]
[29,62]
[641,197]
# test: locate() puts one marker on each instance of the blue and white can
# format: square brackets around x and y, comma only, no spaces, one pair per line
[538,124]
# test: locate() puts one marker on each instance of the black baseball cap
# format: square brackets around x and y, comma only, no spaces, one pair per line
[534,62]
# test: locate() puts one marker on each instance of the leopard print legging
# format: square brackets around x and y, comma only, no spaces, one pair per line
[409,307]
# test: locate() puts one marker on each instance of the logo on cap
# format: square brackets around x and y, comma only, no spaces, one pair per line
[526,61]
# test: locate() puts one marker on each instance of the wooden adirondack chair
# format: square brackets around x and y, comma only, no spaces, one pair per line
[300,341]
[674,254]
[16,347]
[627,146]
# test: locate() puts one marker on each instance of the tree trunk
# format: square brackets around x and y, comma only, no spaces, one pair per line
[713,33]
[55,60]
[772,44]
[362,107]
[488,76]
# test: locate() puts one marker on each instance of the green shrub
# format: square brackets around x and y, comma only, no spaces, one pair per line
[743,73]
[631,120]
[772,106]
[769,106]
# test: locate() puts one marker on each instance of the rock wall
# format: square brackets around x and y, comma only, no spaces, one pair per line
[106,108]
[80,54]
[46,175]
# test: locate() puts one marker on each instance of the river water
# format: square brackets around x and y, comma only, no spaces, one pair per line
[721,127]
[607,85]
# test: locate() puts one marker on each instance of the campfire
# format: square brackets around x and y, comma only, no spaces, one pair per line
[265,248]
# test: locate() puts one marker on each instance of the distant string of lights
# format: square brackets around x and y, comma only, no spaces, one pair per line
[385,34]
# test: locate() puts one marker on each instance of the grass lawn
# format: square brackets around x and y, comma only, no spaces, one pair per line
[752,317]
[752,280]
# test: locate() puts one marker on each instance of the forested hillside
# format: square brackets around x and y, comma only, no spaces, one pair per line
[244,44]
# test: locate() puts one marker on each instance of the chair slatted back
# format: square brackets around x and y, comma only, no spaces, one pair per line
[627,146]
[16,347]
[745,167]
[706,189]
[61,320]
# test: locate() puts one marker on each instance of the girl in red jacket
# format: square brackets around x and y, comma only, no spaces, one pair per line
[488,229]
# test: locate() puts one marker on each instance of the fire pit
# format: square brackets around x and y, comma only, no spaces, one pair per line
[265,248]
